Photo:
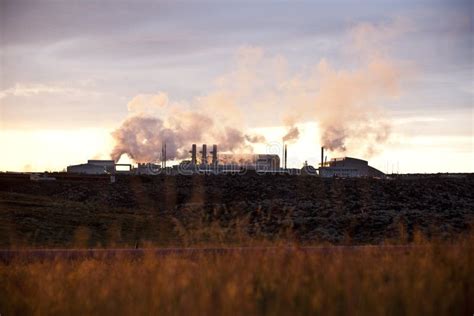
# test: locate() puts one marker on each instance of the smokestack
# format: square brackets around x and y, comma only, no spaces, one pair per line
[193,155]
[283,155]
[163,155]
[322,156]
[214,154]
[204,154]
[286,154]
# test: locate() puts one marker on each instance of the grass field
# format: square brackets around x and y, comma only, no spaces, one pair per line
[428,279]
[431,274]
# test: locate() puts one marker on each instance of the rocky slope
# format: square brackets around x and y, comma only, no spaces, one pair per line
[169,210]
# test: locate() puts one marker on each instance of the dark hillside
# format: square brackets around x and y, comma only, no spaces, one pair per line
[168,210]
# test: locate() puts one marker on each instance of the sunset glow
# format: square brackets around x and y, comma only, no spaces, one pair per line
[368,86]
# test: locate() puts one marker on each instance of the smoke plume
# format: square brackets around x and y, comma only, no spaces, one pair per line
[346,104]
[292,134]
[255,139]
[347,109]
[142,134]
[142,137]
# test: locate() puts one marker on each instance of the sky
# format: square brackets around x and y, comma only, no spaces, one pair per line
[388,81]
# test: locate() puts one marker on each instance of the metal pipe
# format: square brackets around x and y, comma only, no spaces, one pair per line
[163,155]
[193,154]
[283,155]
[322,156]
[214,154]
[204,154]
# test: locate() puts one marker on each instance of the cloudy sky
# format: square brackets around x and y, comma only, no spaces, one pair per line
[73,71]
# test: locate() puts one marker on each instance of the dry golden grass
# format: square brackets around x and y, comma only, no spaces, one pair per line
[429,279]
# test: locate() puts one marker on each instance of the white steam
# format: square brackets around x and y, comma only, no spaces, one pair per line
[346,103]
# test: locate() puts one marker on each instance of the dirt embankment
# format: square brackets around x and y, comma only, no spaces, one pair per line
[168,210]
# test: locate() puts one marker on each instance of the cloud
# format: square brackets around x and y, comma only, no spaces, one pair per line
[372,40]
[25,90]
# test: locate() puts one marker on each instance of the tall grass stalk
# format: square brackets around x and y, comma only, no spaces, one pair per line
[430,279]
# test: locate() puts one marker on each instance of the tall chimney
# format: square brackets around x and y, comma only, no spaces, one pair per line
[214,154]
[193,155]
[283,155]
[163,155]
[204,154]
[322,156]
[286,154]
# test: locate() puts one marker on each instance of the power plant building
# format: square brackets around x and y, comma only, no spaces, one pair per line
[202,163]
[267,162]
[108,165]
[93,167]
[348,167]
[147,169]
[86,168]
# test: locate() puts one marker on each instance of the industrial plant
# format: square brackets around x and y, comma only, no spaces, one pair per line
[347,167]
[210,162]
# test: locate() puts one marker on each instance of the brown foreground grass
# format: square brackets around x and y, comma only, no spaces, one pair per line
[427,279]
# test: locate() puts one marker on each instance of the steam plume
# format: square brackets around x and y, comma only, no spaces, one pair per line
[292,134]
[255,139]
[346,103]
[142,134]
